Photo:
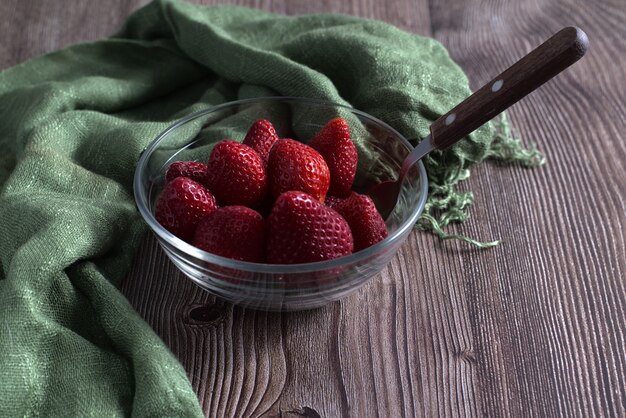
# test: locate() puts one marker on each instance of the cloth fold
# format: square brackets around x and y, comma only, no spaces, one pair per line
[74,123]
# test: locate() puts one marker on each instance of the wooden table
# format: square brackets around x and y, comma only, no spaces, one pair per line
[533,327]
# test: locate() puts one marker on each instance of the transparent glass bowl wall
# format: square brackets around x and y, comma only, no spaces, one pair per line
[271,286]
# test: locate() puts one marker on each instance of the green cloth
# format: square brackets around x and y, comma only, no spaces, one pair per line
[73,124]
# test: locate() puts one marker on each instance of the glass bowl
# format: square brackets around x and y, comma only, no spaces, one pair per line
[277,287]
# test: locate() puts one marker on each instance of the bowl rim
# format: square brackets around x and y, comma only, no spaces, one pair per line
[163,234]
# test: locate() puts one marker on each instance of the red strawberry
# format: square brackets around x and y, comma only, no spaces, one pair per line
[293,165]
[260,137]
[333,201]
[334,143]
[366,224]
[235,232]
[235,174]
[181,204]
[303,230]
[192,169]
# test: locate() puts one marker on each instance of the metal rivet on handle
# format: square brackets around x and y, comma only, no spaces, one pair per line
[451,117]
[497,85]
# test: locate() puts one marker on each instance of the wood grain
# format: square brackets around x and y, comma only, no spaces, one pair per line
[535,327]
[547,308]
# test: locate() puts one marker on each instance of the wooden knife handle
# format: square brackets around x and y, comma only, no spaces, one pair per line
[550,58]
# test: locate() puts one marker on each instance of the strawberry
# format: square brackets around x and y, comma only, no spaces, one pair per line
[293,165]
[192,169]
[181,204]
[366,224]
[260,137]
[334,143]
[235,232]
[303,230]
[235,174]
[333,201]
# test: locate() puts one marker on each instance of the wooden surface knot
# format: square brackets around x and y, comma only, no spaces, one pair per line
[305,411]
[204,315]
[465,355]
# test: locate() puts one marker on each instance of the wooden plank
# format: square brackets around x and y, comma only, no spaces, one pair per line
[30,29]
[533,327]
[547,308]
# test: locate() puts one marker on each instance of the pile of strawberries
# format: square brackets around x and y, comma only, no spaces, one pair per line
[304,190]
